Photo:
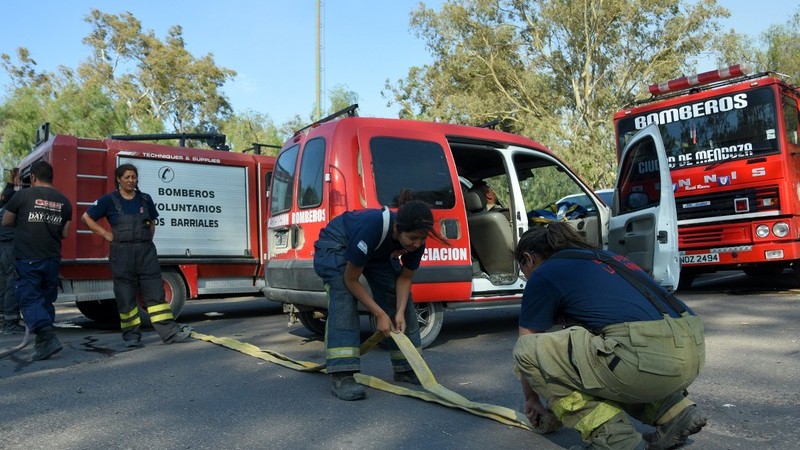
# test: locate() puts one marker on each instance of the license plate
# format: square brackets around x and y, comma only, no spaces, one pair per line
[701,258]
[282,239]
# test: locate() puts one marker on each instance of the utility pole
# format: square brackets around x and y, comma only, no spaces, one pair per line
[319,64]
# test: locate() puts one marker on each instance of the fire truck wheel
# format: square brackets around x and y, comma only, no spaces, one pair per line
[430,316]
[174,294]
[314,321]
[686,279]
[99,310]
[764,270]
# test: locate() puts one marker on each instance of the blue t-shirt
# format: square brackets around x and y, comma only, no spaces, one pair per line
[104,207]
[364,228]
[587,291]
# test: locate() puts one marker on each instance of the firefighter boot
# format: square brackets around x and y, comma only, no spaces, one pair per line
[673,433]
[344,386]
[47,344]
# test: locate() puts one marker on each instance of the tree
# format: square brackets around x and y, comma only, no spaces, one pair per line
[159,82]
[554,70]
[55,97]
[245,129]
[132,83]
[777,49]
[340,97]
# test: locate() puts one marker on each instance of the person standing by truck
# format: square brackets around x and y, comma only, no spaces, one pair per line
[387,248]
[8,279]
[632,347]
[132,257]
[42,217]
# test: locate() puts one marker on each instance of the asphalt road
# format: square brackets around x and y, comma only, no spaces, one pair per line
[96,394]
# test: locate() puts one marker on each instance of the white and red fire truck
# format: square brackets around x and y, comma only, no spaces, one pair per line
[731,138]
[211,203]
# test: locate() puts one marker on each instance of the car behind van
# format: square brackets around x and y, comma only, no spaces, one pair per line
[344,162]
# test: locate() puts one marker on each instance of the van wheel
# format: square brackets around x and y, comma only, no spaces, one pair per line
[174,294]
[99,310]
[430,316]
[314,321]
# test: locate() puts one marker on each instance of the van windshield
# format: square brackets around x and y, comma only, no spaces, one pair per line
[406,164]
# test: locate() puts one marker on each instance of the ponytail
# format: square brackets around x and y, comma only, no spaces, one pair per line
[549,239]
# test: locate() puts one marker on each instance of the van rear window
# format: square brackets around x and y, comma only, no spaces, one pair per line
[406,164]
[283,181]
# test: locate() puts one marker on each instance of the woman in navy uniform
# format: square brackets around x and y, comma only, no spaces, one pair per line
[628,346]
[385,247]
[132,256]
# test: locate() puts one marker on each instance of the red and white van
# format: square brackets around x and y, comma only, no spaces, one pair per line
[346,163]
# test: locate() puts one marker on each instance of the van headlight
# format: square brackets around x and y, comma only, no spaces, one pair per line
[762,231]
[780,229]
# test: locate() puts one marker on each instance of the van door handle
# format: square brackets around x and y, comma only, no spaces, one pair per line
[295,230]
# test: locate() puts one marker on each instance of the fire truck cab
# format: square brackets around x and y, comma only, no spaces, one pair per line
[732,143]
[344,162]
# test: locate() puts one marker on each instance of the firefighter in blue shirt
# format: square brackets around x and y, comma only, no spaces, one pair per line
[374,243]
[633,349]
[132,256]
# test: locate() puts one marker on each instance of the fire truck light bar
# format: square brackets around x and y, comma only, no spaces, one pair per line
[700,79]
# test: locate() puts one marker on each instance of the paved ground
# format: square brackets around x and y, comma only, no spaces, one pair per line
[97,394]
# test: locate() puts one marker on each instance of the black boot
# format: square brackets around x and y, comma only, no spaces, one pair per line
[47,344]
[344,386]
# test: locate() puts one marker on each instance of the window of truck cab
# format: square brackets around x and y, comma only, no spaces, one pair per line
[727,127]
[419,166]
[791,122]
[283,181]
[310,180]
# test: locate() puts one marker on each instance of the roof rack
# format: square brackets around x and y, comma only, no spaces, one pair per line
[256,147]
[213,140]
[492,124]
[350,111]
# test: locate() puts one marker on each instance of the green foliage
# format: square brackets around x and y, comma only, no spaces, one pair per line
[777,49]
[339,98]
[245,129]
[160,83]
[133,82]
[554,70]
[38,97]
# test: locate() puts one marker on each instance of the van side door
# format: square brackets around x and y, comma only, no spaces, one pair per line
[644,226]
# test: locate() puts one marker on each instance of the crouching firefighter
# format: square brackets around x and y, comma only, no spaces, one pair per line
[635,352]
[374,243]
[132,257]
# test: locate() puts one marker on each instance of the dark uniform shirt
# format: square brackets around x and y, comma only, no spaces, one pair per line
[41,213]
[104,207]
[364,229]
[585,291]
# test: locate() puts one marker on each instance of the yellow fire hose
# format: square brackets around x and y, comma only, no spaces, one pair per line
[434,392]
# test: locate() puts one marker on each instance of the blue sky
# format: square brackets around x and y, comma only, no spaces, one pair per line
[270,43]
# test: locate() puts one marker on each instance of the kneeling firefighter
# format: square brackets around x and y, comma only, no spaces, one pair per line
[634,351]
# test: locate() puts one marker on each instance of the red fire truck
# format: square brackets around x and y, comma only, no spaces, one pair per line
[211,204]
[731,139]
[344,162]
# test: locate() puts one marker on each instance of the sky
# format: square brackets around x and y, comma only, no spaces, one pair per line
[271,43]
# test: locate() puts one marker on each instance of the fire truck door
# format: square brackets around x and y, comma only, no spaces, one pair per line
[644,225]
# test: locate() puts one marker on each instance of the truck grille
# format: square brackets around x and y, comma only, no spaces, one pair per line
[723,203]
